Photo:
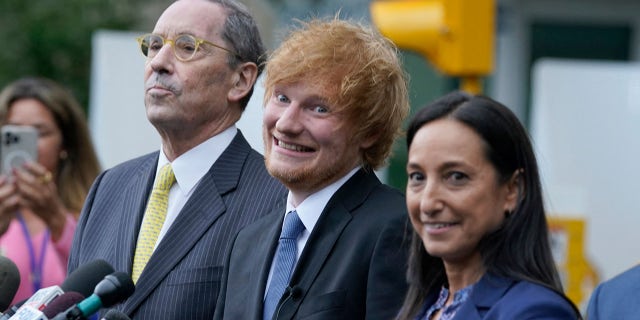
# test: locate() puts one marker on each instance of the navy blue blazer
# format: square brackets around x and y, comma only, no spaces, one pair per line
[181,279]
[353,265]
[617,298]
[500,298]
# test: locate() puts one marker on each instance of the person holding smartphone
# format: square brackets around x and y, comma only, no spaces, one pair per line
[40,198]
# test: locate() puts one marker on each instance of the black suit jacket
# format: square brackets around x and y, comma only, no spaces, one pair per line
[352,267]
[181,279]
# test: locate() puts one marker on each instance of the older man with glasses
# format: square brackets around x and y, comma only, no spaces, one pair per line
[168,217]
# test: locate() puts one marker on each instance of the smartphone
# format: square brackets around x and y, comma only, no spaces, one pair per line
[18,144]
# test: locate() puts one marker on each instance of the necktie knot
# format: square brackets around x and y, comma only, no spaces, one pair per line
[292,226]
[166,178]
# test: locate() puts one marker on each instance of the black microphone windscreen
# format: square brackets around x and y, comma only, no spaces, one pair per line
[62,303]
[84,279]
[114,288]
[114,314]
[9,282]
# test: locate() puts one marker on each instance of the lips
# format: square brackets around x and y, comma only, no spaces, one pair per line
[439,225]
[438,228]
[160,84]
[159,88]
[292,147]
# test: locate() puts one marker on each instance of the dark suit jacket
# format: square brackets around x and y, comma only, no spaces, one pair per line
[181,279]
[498,298]
[618,298]
[352,267]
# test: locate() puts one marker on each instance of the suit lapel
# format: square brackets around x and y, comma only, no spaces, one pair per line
[485,294]
[133,210]
[334,218]
[267,243]
[316,251]
[201,210]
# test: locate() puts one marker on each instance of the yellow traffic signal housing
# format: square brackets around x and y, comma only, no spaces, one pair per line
[456,36]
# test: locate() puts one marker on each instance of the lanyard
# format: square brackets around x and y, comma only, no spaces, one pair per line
[35,264]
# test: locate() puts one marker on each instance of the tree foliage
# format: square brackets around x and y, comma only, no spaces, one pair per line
[52,38]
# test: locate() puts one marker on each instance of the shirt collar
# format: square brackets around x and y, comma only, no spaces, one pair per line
[191,166]
[310,209]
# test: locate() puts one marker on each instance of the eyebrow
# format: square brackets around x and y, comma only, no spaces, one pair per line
[313,98]
[35,125]
[412,165]
[176,34]
[447,165]
[316,99]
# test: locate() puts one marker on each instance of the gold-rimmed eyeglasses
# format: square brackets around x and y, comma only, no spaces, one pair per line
[184,46]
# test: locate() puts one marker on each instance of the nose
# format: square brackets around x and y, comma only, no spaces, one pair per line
[290,120]
[163,61]
[431,201]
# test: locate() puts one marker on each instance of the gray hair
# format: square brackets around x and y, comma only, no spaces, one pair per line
[240,31]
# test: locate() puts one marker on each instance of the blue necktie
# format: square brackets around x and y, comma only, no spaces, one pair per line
[284,259]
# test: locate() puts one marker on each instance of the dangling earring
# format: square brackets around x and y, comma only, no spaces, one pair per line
[507,213]
[63,155]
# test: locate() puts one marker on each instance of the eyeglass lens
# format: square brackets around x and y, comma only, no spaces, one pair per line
[184,47]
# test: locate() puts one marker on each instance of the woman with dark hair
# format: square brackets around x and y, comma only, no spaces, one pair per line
[480,247]
[41,200]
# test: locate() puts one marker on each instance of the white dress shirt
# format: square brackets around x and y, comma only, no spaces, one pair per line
[309,212]
[189,168]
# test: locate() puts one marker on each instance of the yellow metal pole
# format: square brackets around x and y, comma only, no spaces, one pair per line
[471,84]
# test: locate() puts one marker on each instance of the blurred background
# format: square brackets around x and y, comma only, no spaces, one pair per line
[568,68]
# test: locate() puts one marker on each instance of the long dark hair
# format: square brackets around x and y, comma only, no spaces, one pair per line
[519,250]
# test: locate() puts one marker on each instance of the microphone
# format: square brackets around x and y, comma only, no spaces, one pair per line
[62,303]
[42,297]
[294,292]
[86,277]
[9,281]
[59,304]
[81,280]
[10,312]
[110,291]
[114,314]
[28,313]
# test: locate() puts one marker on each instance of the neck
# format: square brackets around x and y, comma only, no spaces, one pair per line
[175,144]
[297,197]
[461,274]
[302,190]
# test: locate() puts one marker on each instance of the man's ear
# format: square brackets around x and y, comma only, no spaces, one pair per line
[369,141]
[243,79]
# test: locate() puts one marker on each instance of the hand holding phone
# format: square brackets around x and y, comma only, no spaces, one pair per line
[18,145]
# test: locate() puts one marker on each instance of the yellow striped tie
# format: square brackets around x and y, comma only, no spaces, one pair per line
[153,220]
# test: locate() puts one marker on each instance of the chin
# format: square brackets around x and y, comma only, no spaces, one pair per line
[290,178]
[435,251]
[298,179]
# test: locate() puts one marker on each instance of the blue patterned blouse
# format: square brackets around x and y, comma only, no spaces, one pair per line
[448,312]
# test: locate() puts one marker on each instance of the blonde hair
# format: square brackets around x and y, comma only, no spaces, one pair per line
[80,167]
[371,84]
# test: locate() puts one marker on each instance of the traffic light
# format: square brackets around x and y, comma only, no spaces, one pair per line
[456,36]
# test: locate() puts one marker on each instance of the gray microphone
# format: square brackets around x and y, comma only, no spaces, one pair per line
[9,282]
